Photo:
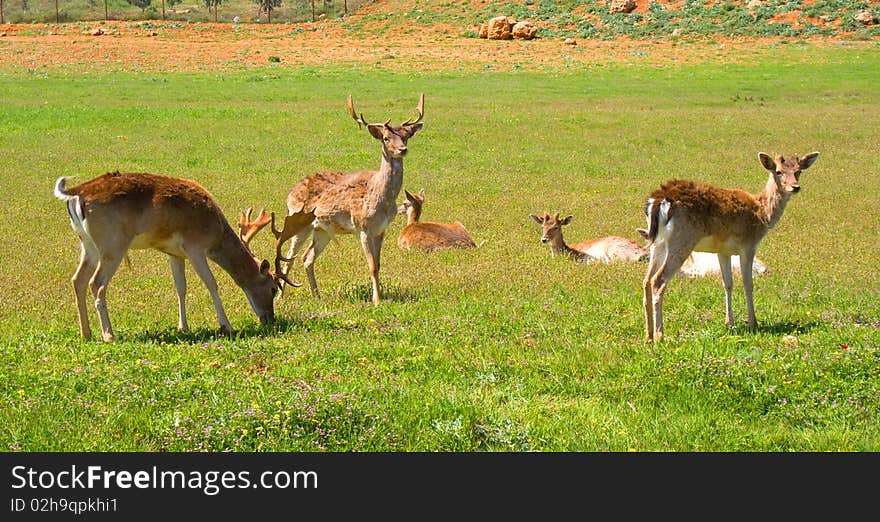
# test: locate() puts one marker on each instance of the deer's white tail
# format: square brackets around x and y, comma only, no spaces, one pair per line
[657,215]
[74,208]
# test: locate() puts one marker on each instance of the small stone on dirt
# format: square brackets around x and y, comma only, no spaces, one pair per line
[865,17]
[623,6]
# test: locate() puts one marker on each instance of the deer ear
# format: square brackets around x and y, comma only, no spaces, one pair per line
[264,267]
[376,130]
[767,162]
[411,130]
[408,195]
[566,221]
[422,194]
[808,160]
[540,220]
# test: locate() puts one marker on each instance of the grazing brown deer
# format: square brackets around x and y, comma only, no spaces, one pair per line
[115,212]
[605,249]
[363,203]
[429,236]
[684,216]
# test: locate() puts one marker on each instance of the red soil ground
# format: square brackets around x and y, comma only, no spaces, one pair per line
[135,46]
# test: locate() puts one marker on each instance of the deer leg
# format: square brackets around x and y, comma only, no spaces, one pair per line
[373,250]
[88,262]
[746,262]
[320,240]
[200,265]
[178,270]
[727,280]
[657,256]
[107,266]
[675,257]
[296,245]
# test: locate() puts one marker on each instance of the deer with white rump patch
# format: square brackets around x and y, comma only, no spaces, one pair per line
[363,203]
[685,216]
[117,211]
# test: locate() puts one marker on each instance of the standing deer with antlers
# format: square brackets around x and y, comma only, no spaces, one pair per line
[116,212]
[363,203]
[684,216]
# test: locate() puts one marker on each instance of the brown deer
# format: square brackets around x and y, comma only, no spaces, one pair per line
[363,203]
[116,212]
[429,236]
[684,216]
[605,249]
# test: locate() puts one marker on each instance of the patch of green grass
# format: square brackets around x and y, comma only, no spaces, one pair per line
[498,348]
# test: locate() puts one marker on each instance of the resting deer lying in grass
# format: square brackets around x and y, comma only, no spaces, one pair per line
[684,216]
[363,203]
[429,236]
[705,264]
[116,212]
[605,249]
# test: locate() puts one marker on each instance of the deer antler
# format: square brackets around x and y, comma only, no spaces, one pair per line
[292,225]
[358,118]
[247,229]
[421,108]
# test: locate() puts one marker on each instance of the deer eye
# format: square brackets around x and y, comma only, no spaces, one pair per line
[778,172]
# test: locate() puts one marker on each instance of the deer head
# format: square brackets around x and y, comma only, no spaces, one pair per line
[413,203]
[393,138]
[551,226]
[787,171]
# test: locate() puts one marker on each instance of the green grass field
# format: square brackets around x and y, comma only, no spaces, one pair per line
[500,348]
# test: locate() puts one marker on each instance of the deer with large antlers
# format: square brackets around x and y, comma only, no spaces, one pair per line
[363,203]
[115,212]
[685,216]
[605,249]
[429,236]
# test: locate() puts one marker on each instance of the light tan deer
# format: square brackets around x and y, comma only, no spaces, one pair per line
[684,216]
[429,236]
[115,212]
[705,264]
[363,203]
[604,249]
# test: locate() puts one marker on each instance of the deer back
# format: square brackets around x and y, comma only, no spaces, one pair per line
[160,212]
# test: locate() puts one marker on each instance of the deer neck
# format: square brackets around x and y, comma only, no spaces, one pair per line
[558,246]
[772,202]
[413,214]
[232,256]
[385,185]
